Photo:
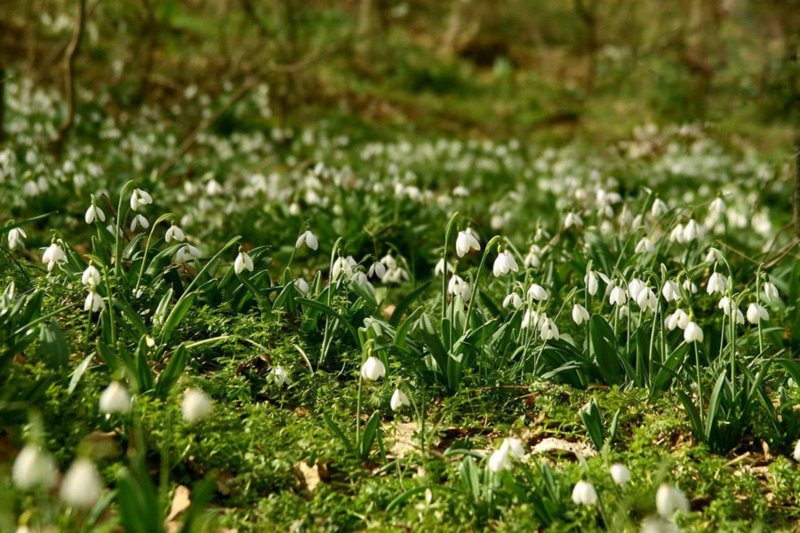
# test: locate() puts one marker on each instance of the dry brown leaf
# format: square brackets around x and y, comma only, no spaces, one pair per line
[403,440]
[552,444]
[310,475]
[180,502]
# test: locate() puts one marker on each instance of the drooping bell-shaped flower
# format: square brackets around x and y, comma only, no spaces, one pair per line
[620,474]
[82,486]
[115,399]
[466,242]
[53,255]
[579,314]
[373,369]
[670,500]
[692,333]
[243,262]
[583,493]
[504,264]
[195,405]
[307,238]
[399,400]
[140,198]
[34,467]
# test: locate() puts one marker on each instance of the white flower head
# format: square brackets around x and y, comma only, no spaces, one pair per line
[717,283]
[195,405]
[579,314]
[53,255]
[94,302]
[139,221]
[670,500]
[242,262]
[504,264]
[512,300]
[174,233]
[466,242]
[584,494]
[140,198]
[307,238]
[34,467]
[537,292]
[620,473]
[94,213]
[591,282]
[671,291]
[399,400]
[692,332]
[82,486]
[16,238]
[115,399]
[756,313]
[373,369]
[91,276]
[280,376]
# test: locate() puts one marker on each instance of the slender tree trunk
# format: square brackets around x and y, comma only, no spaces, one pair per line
[2,102]
[69,78]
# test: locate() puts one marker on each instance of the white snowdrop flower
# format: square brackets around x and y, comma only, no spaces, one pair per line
[91,276]
[584,494]
[635,286]
[360,278]
[307,238]
[213,188]
[620,474]
[591,282]
[537,292]
[294,209]
[53,255]
[280,376]
[572,219]
[187,253]
[796,453]
[617,296]
[692,332]
[82,485]
[504,264]
[499,460]
[646,299]
[341,267]
[94,302]
[692,231]
[659,208]
[676,235]
[243,262]
[377,269]
[502,459]
[671,291]
[656,524]
[195,405]
[93,213]
[645,245]
[16,238]
[458,287]
[548,330]
[717,283]
[512,300]
[140,198]
[466,242]
[579,314]
[534,257]
[34,467]
[689,286]
[139,221]
[174,233]
[670,500]
[678,319]
[399,400]
[114,230]
[115,399]
[530,319]
[769,293]
[717,206]
[438,270]
[373,369]
[302,285]
[756,313]
[461,191]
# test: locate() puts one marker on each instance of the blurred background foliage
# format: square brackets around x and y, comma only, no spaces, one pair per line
[546,70]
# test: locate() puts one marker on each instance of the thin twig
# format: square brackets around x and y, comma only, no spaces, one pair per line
[69,77]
